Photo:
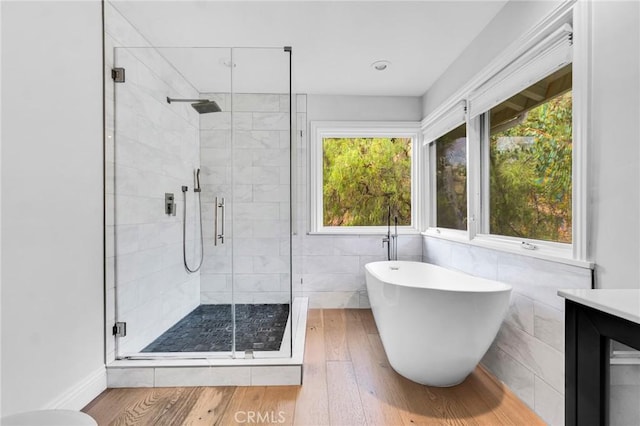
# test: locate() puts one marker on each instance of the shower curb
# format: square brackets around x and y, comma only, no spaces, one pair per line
[216,371]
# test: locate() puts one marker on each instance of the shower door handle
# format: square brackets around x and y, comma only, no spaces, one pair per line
[219,236]
[222,207]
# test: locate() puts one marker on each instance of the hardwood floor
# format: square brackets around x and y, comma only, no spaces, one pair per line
[347,381]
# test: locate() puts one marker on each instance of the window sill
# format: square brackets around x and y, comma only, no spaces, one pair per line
[447,234]
[364,230]
[542,253]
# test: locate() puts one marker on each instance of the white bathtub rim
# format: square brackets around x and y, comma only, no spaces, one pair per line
[489,286]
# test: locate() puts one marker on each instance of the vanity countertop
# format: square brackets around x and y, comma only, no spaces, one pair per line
[621,303]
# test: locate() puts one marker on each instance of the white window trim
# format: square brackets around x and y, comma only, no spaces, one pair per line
[432,189]
[442,123]
[350,129]
[551,54]
[435,126]
[581,129]
[576,253]
[510,245]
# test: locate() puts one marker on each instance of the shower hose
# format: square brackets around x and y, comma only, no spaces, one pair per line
[184,231]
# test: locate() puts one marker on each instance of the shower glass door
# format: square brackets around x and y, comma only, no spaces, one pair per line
[261,134]
[198,202]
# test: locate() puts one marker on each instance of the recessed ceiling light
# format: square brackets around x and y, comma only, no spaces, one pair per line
[380,65]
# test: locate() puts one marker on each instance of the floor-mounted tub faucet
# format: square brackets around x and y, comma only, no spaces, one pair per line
[391,239]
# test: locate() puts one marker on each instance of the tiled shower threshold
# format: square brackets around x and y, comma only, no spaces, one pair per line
[200,369]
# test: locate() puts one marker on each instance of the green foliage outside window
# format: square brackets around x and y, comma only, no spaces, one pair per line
[530,174]
[362,177]
[451,179]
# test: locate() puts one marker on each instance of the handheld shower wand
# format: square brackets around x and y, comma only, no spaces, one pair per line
[197,190]
[197,187]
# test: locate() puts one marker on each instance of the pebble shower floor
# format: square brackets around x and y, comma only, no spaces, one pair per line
[209,328]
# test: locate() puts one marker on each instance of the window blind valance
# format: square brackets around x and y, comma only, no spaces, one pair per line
[551,54]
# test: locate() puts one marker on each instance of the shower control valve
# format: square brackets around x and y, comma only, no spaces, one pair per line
[169,204]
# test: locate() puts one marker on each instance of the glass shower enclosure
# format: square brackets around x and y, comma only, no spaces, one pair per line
[199,187]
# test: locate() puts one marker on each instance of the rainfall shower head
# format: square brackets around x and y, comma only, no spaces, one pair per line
[202,106]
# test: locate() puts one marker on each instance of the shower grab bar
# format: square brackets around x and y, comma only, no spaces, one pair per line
[220,236]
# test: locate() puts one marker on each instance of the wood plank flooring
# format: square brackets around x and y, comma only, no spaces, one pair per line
[347,381]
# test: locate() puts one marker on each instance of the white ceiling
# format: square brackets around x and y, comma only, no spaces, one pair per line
[334,42]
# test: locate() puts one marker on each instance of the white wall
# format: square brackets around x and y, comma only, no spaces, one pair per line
[52,256]
[614,171]
[332,266]
[614,161]
[515,18]
[364,108]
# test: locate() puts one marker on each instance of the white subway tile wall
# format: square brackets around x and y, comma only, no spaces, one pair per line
[528,353]
[255,160]
[515,375]
[152,148]
[549,402]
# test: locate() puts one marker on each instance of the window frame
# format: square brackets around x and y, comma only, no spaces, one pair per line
[432,170]
[576,253]
[361,129]
[551,248]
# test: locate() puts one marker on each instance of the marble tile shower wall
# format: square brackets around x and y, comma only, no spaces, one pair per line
[152,148]
[528,353]
[332,267]
[252,173]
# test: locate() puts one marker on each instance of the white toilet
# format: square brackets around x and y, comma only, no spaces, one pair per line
[49,418]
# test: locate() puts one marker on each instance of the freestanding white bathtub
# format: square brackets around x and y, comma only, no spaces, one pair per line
[435,324]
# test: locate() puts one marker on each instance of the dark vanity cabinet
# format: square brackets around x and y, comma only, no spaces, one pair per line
[593,319]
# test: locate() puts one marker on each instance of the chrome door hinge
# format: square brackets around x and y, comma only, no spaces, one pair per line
[120,329]
[117,74]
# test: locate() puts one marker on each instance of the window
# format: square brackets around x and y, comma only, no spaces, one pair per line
[363,177]
[451,179]
[530,162]
[510,172]
[361,170]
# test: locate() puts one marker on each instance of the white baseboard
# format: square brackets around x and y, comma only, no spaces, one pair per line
[82,393]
